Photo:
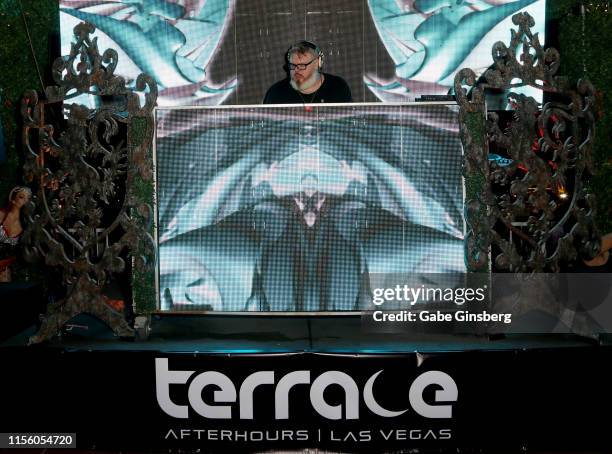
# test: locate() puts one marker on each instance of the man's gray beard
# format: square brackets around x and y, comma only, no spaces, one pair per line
[308,83]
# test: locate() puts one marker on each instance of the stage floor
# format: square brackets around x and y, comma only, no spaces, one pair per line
[278,334]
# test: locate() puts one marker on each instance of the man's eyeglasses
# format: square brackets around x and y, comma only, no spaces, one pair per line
[300,66]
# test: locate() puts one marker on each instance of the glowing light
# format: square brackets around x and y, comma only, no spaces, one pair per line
[562,192]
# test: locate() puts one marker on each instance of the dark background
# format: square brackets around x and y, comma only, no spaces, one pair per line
[265,29]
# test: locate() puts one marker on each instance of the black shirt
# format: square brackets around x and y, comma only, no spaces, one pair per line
[333,89]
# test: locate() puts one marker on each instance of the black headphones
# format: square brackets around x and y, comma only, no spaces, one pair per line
[301,44]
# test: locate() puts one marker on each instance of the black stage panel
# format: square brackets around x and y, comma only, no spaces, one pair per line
[350,391]
[21,302]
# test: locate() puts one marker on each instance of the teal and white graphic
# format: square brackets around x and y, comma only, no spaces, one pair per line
[430,40]
[211,52]
[174,43]
[284,209]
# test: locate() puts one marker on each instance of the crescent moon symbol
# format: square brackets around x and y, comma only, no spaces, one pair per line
[368,397]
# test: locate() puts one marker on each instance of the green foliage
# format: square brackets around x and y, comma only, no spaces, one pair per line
[143,279]
[144,292]
[556,9]
[18,70]
[475,124]
[474,182]
[138,131]
[591,54]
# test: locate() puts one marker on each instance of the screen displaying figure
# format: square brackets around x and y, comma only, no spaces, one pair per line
[293,209]
[310,255]
[212,52]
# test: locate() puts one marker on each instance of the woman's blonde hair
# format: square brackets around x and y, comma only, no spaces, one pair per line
[16,190]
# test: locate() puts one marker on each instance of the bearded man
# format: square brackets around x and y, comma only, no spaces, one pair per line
[306,83]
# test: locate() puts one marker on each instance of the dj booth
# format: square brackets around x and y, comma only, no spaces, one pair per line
[277,229]
[307,276]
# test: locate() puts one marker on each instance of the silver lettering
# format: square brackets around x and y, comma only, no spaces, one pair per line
[246,391]
[448,393]
[227,393]
[351,392]
[165,378]
[348,408]
[281,395]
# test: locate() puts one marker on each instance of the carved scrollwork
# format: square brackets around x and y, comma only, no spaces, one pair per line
[532,209]
[534,66]
[87,211]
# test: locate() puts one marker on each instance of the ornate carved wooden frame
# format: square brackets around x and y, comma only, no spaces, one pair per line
[526,202]
[102,158]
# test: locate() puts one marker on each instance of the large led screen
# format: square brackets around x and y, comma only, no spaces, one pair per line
[212,52]
[268,208]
